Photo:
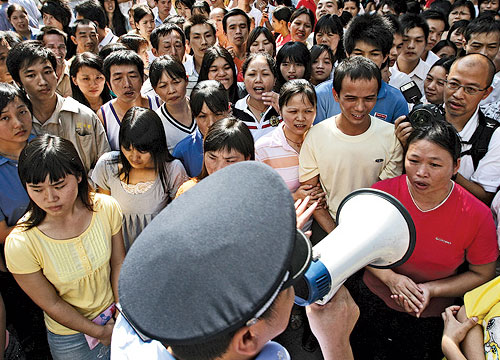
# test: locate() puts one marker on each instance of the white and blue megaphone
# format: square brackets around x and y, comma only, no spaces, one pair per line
[373,228]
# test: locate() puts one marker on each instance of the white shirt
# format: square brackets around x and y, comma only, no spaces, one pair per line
[431,58]
[110,38]
[418,74]
[495,94]
[191,73]
[487,173]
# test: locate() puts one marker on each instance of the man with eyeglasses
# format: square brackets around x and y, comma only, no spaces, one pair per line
[469,82]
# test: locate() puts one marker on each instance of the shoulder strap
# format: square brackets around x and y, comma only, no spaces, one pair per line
[480,140]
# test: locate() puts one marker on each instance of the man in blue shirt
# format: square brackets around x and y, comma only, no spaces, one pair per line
[369,36]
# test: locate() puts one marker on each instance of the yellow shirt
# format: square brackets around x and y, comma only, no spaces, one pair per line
[78,268]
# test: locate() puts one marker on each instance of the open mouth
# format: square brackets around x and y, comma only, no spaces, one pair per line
[259,90]
[420,185]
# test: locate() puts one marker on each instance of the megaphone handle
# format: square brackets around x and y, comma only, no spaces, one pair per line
[330,294]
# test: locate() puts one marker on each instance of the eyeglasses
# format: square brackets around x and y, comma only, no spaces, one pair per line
[470,90]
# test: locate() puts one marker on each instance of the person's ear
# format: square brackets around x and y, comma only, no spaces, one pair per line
[456,167]
[73,79]
[155,52]
[74,40]
[487,93]
[244,342]
[335,95]
[289,26]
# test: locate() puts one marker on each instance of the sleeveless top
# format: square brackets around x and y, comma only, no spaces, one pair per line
[112,122]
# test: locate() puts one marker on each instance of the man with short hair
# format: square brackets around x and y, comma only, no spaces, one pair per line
[327,7]
[253,13]
[200,35]
[166,39]
[236,26]
[482,36]
[55,40]
[162,10]
[369,36]
[415,34]
[352,149]
[469,82]
[437,25]
[241,294]
[92,10]
[32,67]
[85,36]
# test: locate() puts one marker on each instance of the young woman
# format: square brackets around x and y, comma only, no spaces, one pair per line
[209,102]
[259,109]
[261,40]
[218,65]
[456,35]
[169,80]
[184,7]
[293,62]
[143,177]
[444,49]
[301,25]
[227,141]
[329,31]
[116,21]
[322,60]
[88,82]
[144,22]
[461,10]
[67,253]
[280,148]
[435,81]
[352,7]
[18,17]
[281,17]
[452,227]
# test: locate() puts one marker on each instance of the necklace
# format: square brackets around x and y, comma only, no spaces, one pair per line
[435,207]
[299,144]
[258,110]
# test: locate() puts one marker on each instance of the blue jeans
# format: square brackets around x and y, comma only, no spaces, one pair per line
[75,347]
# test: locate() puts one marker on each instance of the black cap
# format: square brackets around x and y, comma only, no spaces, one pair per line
[215,258]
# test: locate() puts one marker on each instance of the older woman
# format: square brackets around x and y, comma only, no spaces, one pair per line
[453,229]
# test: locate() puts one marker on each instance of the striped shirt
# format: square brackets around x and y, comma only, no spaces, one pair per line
[273,150]
[258,127]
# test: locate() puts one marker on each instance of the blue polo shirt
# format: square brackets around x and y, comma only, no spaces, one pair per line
[390,104]
[190,152]
[13,198]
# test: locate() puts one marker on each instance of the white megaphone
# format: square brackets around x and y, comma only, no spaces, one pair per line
[373,228]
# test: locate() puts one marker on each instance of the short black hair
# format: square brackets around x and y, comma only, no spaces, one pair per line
[235,12]
[26,54]
[372,29]
[198,20]
[399,6]
[395,24]
[466,3]
[255,33]
[356,67]
[297,52]
[78,22]
[282,13]
[164,30]
[459,26]
[444,43]
[294,87]
[483,24]
[133,41]
[210,92]
[203,5]
[434,14]
[123,57]
[168,64]
[9,93]
[317,50]
[50,30]
[109,48]
[411,21]
[445,63]
[59,9]
[303,11]
[93,11]
[270,62]
[441,133]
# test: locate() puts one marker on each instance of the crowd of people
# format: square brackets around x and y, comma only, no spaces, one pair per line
[116,117]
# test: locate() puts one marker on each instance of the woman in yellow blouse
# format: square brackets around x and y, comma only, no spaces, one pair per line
[67,251]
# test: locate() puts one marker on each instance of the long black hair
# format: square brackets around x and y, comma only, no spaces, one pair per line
[119,21]
[143,130]
[55,157]
[295,52]
[92,61]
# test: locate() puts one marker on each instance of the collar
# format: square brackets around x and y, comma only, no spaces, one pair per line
[470,126]
[54,118]
[4,160]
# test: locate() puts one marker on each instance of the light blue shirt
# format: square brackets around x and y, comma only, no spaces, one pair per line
[390,104]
